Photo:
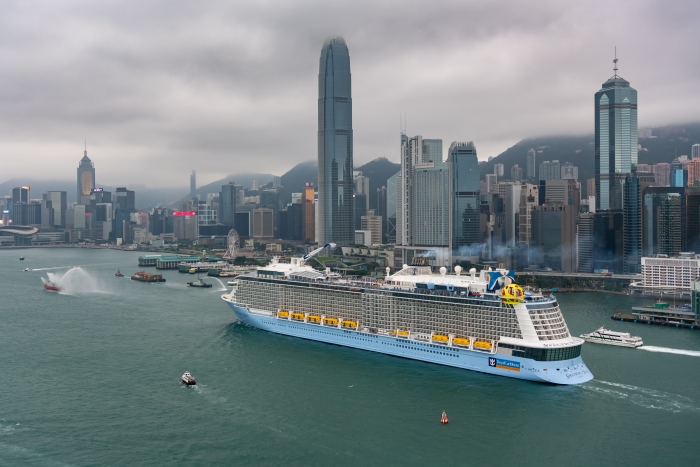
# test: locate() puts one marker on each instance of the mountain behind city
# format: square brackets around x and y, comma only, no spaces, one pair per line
[664,145]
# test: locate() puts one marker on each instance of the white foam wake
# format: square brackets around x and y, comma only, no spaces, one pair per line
[651,348]
[76,281]
[644,397]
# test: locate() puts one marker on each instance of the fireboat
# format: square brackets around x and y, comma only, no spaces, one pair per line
[52,287]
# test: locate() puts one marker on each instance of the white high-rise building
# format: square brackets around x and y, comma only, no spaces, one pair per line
[695,151]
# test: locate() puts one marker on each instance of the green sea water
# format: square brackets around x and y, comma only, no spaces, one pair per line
[91,377]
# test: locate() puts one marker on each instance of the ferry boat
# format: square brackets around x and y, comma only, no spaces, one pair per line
[621,339]
[188,379]
[483,322]
[144,276]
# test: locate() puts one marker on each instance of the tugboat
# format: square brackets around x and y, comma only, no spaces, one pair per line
[443,418]
[199,283]
[188,379]
[119,274]
[48,285]
[144,276]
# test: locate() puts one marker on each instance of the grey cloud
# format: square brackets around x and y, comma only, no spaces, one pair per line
[225,87]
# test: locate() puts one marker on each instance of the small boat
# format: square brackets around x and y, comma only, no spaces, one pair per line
[144,276]
[232,283]
[192,270]
[199,283]
[21,258]
[119,274]
[188,379]
[443,418]
[620,339]
[52,287]
[27,269]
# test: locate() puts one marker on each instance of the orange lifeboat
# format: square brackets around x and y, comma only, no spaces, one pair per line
[443,419]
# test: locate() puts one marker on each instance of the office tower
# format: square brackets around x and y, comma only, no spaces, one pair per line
[662,174]
[335,145]
[531,167]
[512,213]
[86,178]
[421,188]
[381,207]
[20,194]
[678,175]
[308,213]
[608,240]
[26,213]
[516,173]
[276,182]
[430,213]
[193,185]
[47,220]
[59,203]
[227,203]
[125,199]
[373,223]
[464,198]
[206,213]
[499,170]
[695,151]
[569,171]
[361,186]
[553,241]
[550,170]
[584,241]
[643,168]
[563,191]
[263,223]
[590,188]
[392,190]
[632,225]
[664,223]
[528,200]
[615,139]
[359,209]
[694,172]
[491,181]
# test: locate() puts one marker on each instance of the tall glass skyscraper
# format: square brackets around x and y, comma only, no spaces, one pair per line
[86,177]
[335,180]
[615,140]
[464,197]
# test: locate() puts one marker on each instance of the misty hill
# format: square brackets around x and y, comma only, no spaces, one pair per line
[580,150]
[245,180]
[379,171]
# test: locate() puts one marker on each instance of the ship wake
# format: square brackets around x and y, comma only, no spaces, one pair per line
[651,348]
[644,397]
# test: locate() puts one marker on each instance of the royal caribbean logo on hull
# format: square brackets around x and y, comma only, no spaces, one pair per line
[504,364]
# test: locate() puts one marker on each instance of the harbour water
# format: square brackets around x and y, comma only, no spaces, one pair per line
[91,377]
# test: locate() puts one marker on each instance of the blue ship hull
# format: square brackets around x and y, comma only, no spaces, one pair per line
[572,371]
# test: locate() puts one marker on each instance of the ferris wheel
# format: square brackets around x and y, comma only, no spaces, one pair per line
[232,244]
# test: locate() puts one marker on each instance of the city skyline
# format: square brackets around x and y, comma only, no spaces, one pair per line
[215,100]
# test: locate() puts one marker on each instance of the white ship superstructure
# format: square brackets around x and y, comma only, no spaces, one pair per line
[473,321]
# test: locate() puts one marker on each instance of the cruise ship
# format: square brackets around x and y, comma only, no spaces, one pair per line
[475,321]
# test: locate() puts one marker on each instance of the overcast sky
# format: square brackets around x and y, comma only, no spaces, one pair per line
[160,88]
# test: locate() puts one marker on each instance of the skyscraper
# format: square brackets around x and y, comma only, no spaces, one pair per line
[695,151]
[193,185]
[464,196]
[615,139]
[227,199]
[531,167]
[86,177]
[335,164]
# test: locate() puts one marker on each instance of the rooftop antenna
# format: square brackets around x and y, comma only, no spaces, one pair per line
[615,64]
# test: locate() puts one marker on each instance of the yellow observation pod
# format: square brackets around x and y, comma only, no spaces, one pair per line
[331,321]
[314,319]
[282,314]
[512,294]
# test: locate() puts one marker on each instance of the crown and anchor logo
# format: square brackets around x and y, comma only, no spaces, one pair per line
[492,362]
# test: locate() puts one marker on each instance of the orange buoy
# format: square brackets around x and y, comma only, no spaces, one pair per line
[443,419]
